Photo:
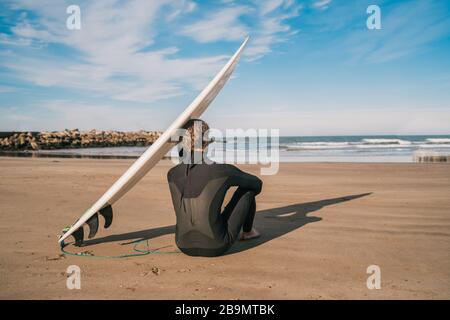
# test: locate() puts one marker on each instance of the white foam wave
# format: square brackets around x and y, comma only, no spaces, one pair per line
[324,143]
[438,140]
[317,145]
[386,141]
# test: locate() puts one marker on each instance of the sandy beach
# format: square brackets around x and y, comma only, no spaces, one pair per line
[323,224]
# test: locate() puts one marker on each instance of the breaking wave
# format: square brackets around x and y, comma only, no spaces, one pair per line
[386,141]
[438,141]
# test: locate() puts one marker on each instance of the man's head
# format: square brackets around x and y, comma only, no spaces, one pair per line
[195,138]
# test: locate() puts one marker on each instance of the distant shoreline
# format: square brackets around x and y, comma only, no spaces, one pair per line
[34,154]
[130,145]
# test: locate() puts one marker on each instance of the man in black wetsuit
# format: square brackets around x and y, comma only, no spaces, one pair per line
[198,190]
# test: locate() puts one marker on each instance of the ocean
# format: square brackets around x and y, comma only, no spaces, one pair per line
[361,148]
[303,149]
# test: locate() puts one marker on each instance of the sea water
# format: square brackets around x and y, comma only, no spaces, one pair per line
[304,149]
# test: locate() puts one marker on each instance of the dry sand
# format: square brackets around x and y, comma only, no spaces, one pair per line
[319,236]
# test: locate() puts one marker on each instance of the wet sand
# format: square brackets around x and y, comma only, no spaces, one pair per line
[323,224]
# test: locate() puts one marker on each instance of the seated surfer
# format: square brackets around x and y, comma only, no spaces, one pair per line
[198,187]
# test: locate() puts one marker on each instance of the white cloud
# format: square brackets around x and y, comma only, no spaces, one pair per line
[270,5]
[8,40]
[182,7]
[110,55]
[272,28]
[268,25]
[221,25]
[321,4]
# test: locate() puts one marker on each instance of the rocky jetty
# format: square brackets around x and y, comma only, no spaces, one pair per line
[17,141]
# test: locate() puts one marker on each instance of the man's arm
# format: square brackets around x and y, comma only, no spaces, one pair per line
[243,180]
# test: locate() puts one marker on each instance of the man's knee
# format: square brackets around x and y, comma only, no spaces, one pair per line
[249,194]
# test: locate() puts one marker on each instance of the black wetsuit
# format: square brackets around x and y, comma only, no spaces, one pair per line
[198,192]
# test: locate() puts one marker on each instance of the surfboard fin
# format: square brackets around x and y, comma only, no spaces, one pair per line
[79,236]
[93,225]
[107,213]
[92,222]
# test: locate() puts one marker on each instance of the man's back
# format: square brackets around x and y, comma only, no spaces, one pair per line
[198,192]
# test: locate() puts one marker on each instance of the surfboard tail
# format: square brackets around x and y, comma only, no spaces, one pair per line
[93,222]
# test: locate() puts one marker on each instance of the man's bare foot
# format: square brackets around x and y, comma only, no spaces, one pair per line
[252,234]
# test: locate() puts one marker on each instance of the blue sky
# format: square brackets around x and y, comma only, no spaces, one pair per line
[311,68]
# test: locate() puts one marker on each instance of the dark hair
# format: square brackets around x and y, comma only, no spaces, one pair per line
[195,134]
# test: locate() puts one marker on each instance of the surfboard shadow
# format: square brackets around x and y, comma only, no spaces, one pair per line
[131,237]
[272,223]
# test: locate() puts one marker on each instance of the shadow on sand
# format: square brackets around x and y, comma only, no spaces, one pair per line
[276,222]
[272,223]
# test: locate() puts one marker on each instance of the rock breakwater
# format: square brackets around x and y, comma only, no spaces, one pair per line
[17,141]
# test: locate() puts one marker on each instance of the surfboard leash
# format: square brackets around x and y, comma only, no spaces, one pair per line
[138,252]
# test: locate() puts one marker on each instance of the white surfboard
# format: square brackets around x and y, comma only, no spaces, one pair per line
[151,156]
